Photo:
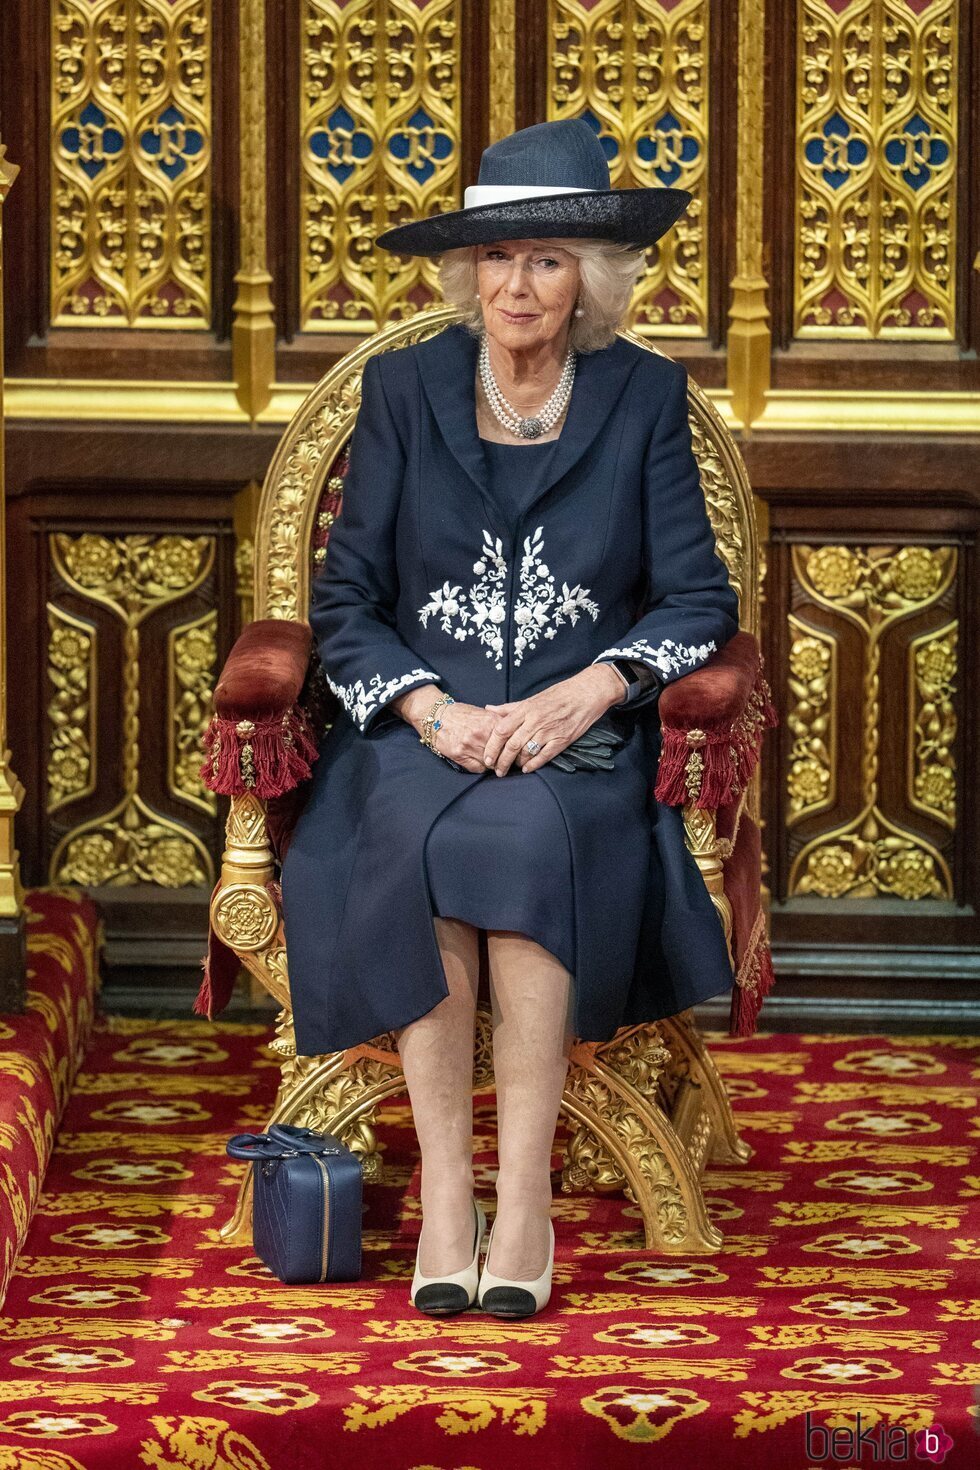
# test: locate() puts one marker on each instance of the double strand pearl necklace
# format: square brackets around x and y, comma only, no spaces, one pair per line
[526,428]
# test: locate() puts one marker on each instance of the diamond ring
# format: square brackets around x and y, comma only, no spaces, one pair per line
[532,747]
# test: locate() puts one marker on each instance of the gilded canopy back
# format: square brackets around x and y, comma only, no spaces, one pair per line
[298,483]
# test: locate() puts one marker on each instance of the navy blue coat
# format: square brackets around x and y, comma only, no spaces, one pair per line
[424,583]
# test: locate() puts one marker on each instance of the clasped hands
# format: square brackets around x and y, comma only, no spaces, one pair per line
[483,737]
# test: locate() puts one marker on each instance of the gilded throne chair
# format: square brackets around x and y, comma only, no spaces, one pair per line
[646,1111]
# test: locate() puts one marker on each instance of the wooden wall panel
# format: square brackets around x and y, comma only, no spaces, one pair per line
[120,621]
[871,810]
[876,199]
[375,167]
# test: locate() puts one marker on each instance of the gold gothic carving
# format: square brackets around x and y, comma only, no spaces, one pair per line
[131,163]
[811,718]
[191,657]
[876,168]
[749,336]
[503,63]
[380,121]
[72,646]
[253,335]
[133,576]
[873,855]
[638,73]
[932,724]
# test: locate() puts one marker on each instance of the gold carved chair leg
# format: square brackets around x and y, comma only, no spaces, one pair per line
[618,1140]
[692,1072]
[624,1141]
[692,1080]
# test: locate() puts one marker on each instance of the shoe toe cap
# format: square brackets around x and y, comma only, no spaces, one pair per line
[441,1297]
[509,1301]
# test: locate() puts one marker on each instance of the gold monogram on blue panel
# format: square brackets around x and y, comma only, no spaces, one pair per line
[130,160]
[668,151]
[420,146]
[379,143]
[170,143]
[638,74]
[341,145]
[876,187]
[92,141]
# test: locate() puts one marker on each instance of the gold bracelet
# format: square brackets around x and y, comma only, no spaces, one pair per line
[430,724]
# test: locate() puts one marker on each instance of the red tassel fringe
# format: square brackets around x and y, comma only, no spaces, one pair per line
[749,993]
[204,1000]
[221,966]
[264,757]
[728,757]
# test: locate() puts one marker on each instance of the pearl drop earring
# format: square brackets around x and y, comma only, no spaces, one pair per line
[579,311]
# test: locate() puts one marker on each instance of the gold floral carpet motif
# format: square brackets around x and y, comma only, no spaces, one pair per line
[844,1299]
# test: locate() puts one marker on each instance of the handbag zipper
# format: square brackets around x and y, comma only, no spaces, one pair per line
[324,1244]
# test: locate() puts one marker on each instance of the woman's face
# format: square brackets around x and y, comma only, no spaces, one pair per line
[528,289]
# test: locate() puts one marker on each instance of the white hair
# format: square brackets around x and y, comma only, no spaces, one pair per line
[608,273]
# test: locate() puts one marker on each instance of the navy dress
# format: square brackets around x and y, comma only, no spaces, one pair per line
[498,857]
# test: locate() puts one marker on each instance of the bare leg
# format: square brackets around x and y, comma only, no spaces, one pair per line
[436,1053]
[531,994]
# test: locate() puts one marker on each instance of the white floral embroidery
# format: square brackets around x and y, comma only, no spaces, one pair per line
[540,609]
[360,703]
[481,610]
[669,657]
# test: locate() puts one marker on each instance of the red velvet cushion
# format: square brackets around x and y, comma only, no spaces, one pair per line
[265,671]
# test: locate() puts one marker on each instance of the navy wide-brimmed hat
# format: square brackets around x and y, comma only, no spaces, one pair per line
[543,182]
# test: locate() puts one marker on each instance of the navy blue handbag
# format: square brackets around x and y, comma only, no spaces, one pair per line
[306,1211]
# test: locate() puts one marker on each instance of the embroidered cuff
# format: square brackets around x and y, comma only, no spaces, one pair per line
[364,705]
[667,657]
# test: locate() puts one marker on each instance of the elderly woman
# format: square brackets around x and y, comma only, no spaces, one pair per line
[522,560]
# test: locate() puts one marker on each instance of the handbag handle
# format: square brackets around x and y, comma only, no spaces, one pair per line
[307,1140]
[281,1142]
[254,1146]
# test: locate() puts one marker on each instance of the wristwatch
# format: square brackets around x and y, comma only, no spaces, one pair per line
[637,676]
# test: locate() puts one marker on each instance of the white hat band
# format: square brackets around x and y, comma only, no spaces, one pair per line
[478,194]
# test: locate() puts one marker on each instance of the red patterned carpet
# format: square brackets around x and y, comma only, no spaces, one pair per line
[132,1337]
